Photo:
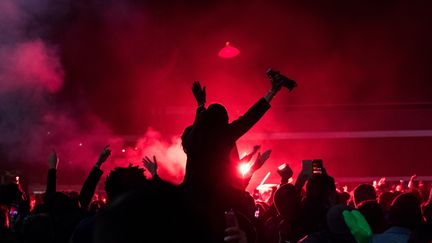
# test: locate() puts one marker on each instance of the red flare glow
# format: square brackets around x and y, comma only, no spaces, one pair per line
[244,168]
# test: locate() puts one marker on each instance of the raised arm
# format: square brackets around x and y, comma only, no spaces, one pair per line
[259,161]
[200,97]
[411,182]
[199,93]
[278,81]
[151,166]
[252,116]
[249,156]
[89,186]
[52,173]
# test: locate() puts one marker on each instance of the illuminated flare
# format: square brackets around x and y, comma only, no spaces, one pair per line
[32,203]
[228,51]
[244,168]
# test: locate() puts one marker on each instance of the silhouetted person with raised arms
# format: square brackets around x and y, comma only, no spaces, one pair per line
[211,182]
[209,141]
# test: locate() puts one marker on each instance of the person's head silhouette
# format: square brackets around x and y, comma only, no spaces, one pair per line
[216,115]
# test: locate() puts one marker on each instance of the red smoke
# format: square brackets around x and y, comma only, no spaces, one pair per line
[169,154]
[30,63]
[129,66]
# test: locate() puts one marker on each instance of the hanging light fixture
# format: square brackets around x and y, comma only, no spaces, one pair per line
[228,51]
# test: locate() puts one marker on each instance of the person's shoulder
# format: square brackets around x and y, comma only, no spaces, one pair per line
[393,234]
[84,230]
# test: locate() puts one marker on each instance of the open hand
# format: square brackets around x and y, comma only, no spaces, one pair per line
[261,158]
[199,93]
[150,165]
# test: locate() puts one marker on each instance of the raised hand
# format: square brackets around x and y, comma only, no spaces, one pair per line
[150,165]
[410,183]
[199,93]
[53,160]
[261,158]
[249,156]
[345,188]
[278,80]
[103,156]
[382,181]
[256,148]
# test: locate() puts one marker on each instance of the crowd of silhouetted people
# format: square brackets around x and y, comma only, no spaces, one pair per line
[211,204]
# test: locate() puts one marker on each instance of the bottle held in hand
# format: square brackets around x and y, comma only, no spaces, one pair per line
[286,82]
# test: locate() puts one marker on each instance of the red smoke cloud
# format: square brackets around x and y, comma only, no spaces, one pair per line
[169,154]
[129,66]
[30,63]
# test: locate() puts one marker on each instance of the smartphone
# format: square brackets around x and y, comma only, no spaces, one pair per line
[307,167]
[231,219]
[317,166]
